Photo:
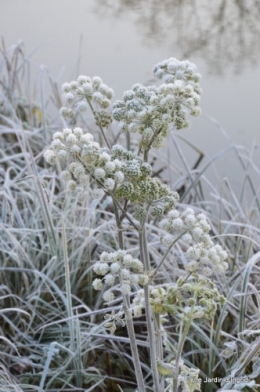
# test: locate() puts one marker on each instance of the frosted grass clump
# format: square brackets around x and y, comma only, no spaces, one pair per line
[150,110]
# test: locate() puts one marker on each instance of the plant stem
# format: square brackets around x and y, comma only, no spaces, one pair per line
[128,315]
[159,346]
[101,129]
[144,256]
[180,348]
[166,254]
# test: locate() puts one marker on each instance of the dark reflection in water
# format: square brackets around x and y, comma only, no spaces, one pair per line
[225,33]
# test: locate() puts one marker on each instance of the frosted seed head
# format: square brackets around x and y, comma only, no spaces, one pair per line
[110,167]
[97,81]
[82,79]
[65,175]
[193,253]
[65,88]
[173,214]
[72,185]
[82,106]
[75,149]
[115,267]
[69,98]
[108,296]
[125,273]
[177,224]
[97,284]
[71,139]
[119,177]
[109,184]
[73,85]
[99,173]
[104,157]
[58,136]
[78,132]
[50,157]
[167,239]
[125,288]
[109,279]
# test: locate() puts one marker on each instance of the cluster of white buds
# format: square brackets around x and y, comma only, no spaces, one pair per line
[84,157]
[172,69]
[150,110]
[78,94]
[139,186]
[196,297]
[116,169]
[118,268]
[202,252]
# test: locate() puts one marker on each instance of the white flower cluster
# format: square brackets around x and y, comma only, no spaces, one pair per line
[118,267]
[196,297]
[78,93]
[85,157]
[150,110]
[202,252]
[172,69]
[116,169]
[139,186]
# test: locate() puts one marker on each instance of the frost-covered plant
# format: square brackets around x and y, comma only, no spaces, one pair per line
[127,178]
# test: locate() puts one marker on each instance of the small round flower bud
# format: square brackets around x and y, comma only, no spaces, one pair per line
[115,268]
[73,85]
[99,173]
[110,167]
[63,155]
[50,157]
[97,284]
[69,98]
[104,157]
[78,132]
[71,139]
[101,268]
[167,239]
[82,79]
[119,176]
[108,296]
[173,214]
[109,279]
[75,149]
[125,288]
[125,273]
[58,136]
[177,224]
[109,184]
[65,88]
[193,253]
[82,106]
[66,132]
[72,185]
[65,175]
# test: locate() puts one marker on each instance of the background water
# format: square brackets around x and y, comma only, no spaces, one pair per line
[121,41]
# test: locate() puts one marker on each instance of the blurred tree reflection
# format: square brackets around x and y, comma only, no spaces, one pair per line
[226,33]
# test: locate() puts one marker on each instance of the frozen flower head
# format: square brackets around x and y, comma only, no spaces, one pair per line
[78,94]
[150,110]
